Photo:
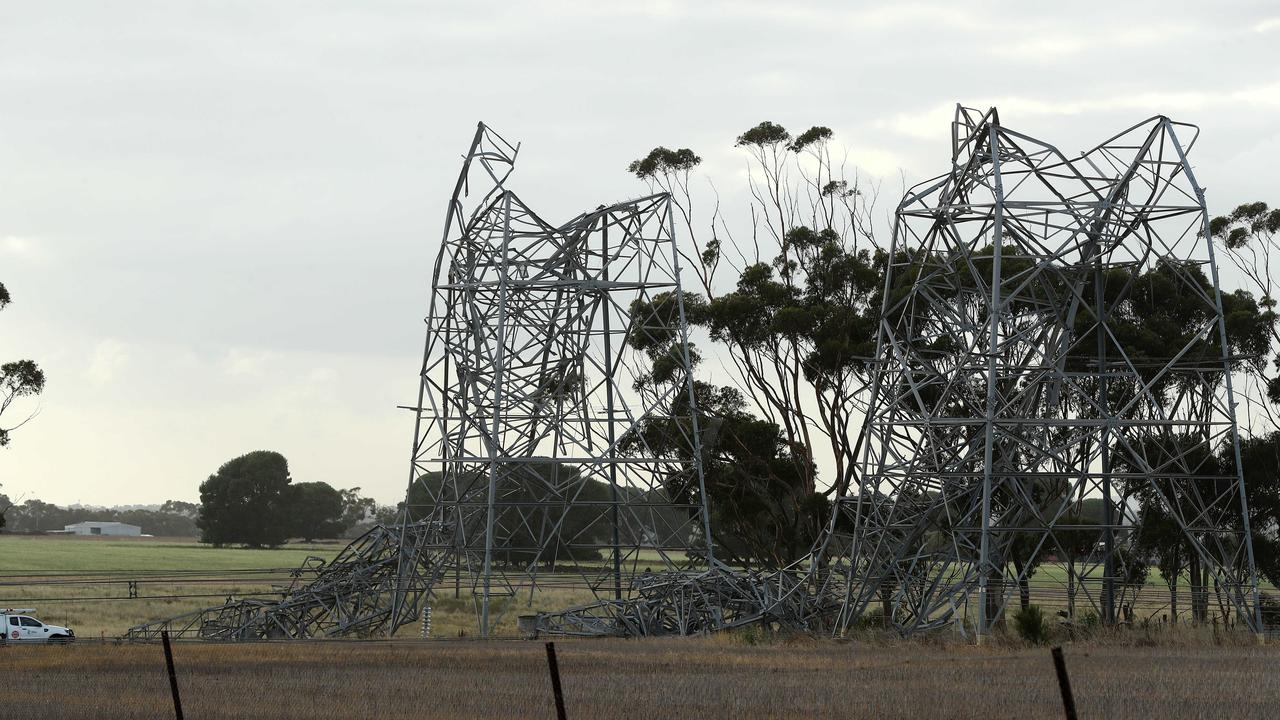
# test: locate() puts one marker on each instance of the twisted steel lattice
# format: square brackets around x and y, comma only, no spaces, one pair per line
[1014,382]
[551,351]
[556,435]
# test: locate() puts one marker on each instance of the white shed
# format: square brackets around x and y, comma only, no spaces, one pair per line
[94,527]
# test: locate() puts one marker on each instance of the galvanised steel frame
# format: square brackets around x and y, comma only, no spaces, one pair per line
[676,603]
[377,584]
[536,379]
[1007,389]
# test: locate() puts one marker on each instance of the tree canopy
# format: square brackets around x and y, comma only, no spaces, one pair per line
[245,501]
[315,510]
[583,527]
[18,379]
[252,500]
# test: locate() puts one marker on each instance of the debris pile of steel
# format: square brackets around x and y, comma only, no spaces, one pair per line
[374,586]
[684,603]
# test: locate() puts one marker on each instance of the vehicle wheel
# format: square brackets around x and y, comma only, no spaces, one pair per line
[59,639]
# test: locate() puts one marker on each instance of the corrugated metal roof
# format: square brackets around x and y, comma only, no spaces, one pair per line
[102,523]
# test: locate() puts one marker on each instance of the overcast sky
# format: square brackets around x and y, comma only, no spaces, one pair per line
[217,220]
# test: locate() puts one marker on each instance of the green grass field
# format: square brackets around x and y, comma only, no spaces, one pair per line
[33,554]
[83,582]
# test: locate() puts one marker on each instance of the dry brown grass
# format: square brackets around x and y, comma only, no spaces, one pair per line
[703,679]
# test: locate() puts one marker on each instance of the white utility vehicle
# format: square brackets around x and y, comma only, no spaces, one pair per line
[20,626]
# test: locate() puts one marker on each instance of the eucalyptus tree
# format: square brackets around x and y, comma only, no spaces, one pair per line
[1260,460]
[797,318]
[763,508]
[1154,316]
[18,379]
[1247,236]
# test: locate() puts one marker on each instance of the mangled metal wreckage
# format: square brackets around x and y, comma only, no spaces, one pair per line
[557,443]
[374,586]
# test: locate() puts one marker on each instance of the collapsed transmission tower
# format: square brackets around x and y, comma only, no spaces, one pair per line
[374,586]
[556,443]
[1052,338]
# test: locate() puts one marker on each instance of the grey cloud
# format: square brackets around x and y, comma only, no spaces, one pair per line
[271,176]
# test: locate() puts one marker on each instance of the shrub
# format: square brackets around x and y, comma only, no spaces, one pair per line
[1030,625]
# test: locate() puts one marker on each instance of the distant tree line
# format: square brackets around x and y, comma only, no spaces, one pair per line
[173,519]
[250,501]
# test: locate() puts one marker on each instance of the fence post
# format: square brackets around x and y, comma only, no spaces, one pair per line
[173,677]
[555,680]
[1064,684]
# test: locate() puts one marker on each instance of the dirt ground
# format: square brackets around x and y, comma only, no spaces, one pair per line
[702,679]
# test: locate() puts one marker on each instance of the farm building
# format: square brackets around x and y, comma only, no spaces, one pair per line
[94,527]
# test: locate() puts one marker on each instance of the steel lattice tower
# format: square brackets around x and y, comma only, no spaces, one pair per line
[1014,382]
[542,342]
